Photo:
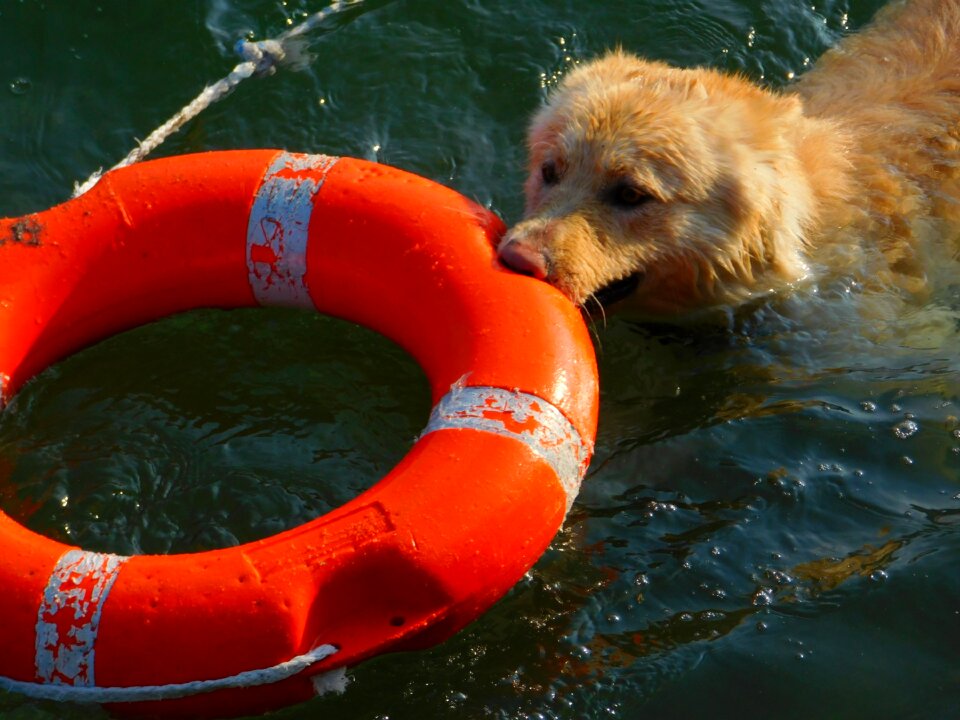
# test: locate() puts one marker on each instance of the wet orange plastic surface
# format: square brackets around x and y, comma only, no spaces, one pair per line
[404,565]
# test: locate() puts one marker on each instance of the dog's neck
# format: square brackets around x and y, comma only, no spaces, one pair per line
[880,145]
[823,153]
[791,185]
[875,201]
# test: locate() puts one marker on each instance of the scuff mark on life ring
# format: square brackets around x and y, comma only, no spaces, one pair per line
[26,231]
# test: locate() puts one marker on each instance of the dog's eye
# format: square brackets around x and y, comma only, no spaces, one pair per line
[549,173]
[627,195]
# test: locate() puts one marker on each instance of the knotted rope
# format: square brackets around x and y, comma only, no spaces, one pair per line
[259,59]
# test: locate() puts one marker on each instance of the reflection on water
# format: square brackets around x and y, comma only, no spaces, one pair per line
[770,466]
[776,493]
[117,448]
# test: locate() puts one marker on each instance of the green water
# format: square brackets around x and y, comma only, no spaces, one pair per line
[770,525]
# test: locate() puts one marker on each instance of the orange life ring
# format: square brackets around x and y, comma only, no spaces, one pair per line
[402,566]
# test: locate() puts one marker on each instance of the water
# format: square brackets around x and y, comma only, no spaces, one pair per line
[770,526]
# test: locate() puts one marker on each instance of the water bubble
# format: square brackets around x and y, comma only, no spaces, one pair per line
[20,86]
[779,577]
[878,576]
[868,406]
[455,698]
[906,460]
[763,597]
[802,651]
[905,429]
[581,652]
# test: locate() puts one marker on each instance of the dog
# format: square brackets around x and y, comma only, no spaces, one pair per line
[674,190]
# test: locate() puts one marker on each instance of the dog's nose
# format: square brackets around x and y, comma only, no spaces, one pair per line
[524,259]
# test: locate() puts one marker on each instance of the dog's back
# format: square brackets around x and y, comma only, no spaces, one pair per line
[907,60]
[895,87]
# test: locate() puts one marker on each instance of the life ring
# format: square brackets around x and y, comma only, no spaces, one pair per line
[402,566]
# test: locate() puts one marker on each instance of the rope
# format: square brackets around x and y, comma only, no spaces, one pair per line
[259,59]
[143,693]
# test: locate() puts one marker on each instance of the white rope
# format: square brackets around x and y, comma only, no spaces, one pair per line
[144,693]
[259,59]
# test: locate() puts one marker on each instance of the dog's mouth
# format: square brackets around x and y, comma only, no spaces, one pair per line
[618,289]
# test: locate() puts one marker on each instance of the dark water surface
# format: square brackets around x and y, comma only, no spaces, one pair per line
[771,526]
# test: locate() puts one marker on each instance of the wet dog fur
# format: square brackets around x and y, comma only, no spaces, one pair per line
[689,188]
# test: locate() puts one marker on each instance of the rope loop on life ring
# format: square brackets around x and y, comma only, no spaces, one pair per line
[404,565]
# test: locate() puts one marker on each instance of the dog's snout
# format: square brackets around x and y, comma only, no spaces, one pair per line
[524,259]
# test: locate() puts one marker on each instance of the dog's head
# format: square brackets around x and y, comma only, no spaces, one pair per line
[680,188]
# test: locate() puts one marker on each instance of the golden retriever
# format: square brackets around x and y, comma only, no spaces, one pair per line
[689,188]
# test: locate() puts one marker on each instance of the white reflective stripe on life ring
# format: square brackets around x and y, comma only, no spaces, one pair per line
[69,616]
[530,419]
[279,226]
